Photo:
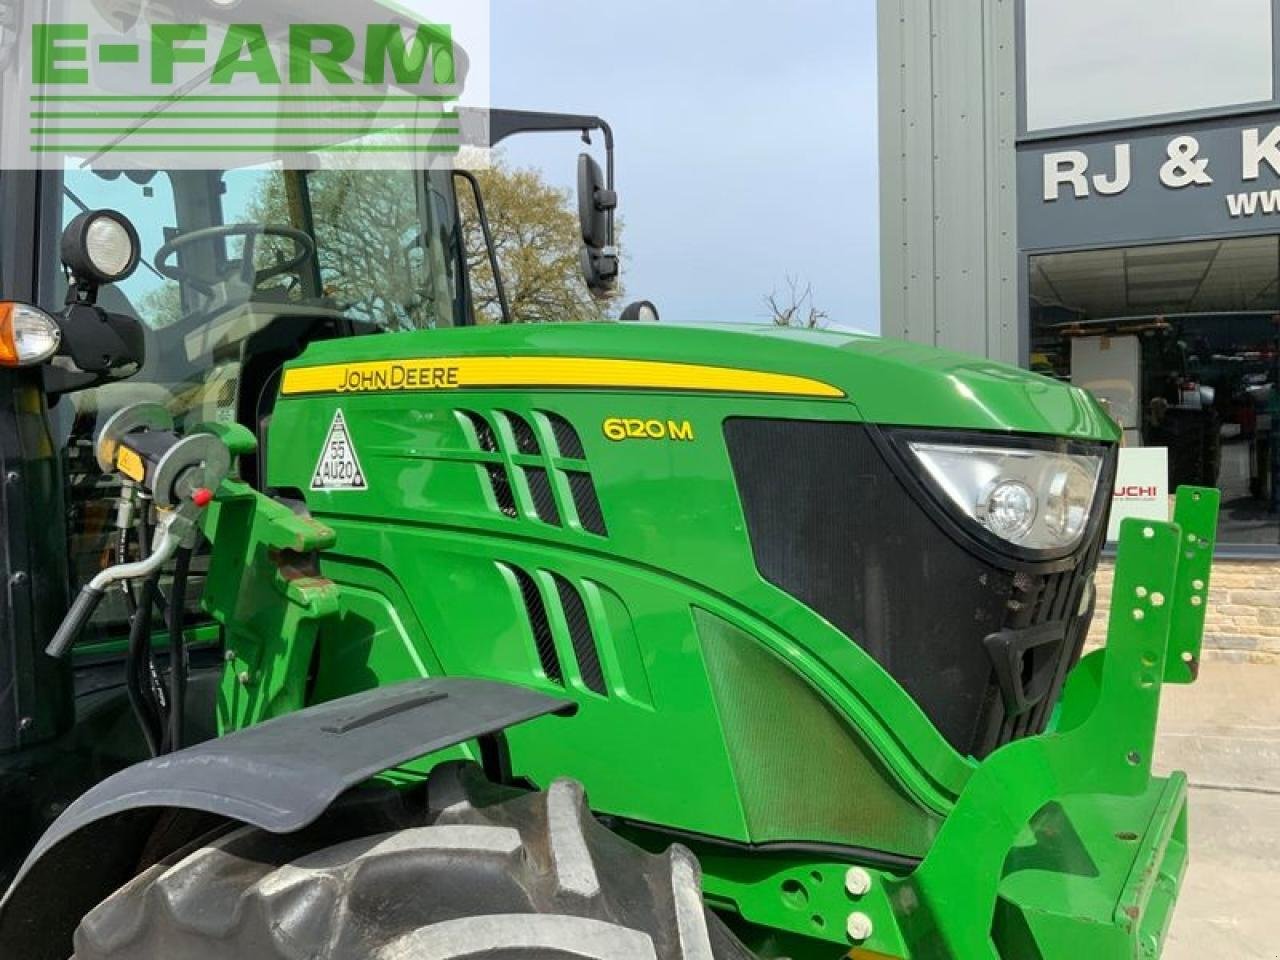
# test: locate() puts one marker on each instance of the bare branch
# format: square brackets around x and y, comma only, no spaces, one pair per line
[796,307]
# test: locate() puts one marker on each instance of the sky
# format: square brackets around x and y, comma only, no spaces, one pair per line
[746,137]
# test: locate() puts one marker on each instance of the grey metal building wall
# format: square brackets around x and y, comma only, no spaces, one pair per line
[948,200]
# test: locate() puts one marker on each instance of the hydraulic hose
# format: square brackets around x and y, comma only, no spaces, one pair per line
[124,521]
[93,591]
[144,549]
[122,557]
[137,669]
[178,649]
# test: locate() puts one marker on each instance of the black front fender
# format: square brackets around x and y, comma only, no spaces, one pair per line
[279,776]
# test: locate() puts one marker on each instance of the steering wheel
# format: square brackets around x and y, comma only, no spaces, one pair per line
[253,278]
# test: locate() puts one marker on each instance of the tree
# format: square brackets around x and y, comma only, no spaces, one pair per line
[796,308]
[376,261]
[537,239]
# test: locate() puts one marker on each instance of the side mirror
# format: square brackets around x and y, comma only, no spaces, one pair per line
[99,247]
[597,202]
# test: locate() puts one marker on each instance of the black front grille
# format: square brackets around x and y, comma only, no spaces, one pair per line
[833,524]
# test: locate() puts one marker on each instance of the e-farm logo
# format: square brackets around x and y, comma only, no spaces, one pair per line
[383,82]
[60,54]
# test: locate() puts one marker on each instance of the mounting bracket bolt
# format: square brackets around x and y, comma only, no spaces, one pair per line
[859,927]
[857,881]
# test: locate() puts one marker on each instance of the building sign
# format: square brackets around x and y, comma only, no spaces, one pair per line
[1174,183]
[1142,487]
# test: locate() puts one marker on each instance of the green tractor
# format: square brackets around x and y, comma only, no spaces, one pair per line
[625,640]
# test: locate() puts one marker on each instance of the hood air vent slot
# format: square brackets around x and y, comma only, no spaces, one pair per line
[582,636]
[544,499]
[567,439]
[564,637]
[485,437]
[500,483]
[543,639]
[587,503]
[526,439]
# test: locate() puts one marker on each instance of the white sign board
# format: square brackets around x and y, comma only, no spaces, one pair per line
[1142,487]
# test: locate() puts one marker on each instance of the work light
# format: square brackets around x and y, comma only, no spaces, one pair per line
[1037,499]
[28,335]
[100,246]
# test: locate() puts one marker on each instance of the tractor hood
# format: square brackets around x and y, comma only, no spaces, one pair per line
[890,382]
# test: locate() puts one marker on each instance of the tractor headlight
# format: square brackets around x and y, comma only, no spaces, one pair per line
[1036,499]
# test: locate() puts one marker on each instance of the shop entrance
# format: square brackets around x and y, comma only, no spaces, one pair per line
[1182,342]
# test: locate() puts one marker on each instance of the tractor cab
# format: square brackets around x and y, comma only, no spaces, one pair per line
[239,270]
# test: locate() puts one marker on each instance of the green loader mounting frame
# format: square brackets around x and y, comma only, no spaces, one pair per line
[1093,772]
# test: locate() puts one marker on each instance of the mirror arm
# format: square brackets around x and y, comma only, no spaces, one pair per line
[488,242]
[509,123]
[608,152]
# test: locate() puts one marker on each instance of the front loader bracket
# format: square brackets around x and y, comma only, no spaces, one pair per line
[1196,515]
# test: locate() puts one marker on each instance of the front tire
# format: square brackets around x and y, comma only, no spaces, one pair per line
[535,876]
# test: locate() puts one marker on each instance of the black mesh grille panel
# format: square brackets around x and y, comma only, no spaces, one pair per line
[582,636]
[543,640]
[485,436]
[587,503]
[500,483]
[526,439]
[544,500]
[832,525]
[567,439]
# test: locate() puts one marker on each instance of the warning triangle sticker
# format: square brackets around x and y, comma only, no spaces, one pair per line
[339,467]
